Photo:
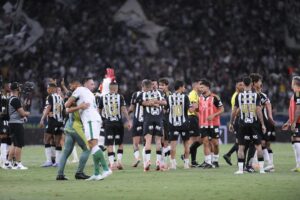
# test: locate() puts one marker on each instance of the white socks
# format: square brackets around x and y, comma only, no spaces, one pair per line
[48,154]
[241,166]
[137,154]
[208,159]
[297,150]
[266,156]
[3,152]
[57,156]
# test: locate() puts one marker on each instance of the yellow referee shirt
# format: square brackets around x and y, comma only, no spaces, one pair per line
[194,98]
[233,100]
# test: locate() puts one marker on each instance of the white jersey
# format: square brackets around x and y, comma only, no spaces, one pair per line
[83,94]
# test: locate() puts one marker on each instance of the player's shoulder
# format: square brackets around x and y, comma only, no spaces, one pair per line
[263,95]
[215,96]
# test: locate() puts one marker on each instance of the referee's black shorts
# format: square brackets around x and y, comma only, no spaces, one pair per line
[17,134]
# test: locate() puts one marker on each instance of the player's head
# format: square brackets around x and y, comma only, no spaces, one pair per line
[256,81]
[113,87]
[89,83]
[154,84]
[239,85]
[74,84]
[51,88]
[6,87]
[163,84]
[179,86]
[59,91]
[247,81]
[296,83]
[147,85]
[196,85]
[15,87]
[204,86]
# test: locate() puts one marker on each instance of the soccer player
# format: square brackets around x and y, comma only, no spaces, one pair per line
[294,121]
[248,102]
[152,101]
[114,108]
[210,109]
[268,120]
[178,105]
[4,129]
[239,87]
[163,84]
[137,127]
[54,111]
[194,133]
[17,117]
[91,121]
[74,134]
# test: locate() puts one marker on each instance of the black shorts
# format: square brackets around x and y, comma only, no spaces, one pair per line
[102,131]
[114,133]
[194,126]
[297,131]
[166,130]
[183,131]
[4,128]
[249,132]
[17,134]
[54,127]
[153,127]
[137,129]
[270,134]
[211,132]
[236,127]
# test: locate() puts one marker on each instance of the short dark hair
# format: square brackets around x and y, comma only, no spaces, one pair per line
[296,80]
[247,80]
[84,80]
[164,81]
[239,79]
[205,82]
[255,77]
[14,86]
[75,81]
[178,84]
[147,83]
[52,85]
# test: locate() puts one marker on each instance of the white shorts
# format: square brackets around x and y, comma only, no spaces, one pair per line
[91,129]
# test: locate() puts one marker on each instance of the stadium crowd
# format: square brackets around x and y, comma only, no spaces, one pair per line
[218,41]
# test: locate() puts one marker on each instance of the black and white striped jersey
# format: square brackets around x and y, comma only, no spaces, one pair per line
[57,106]
[264,100]
[178,105]
[150,111]
[139,110]
[4,107]
[247,102]
[111,106]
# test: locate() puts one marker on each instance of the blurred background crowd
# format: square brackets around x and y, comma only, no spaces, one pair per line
[187,40]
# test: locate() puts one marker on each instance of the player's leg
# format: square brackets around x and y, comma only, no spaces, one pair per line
[84,156]
[148,129]
[195,139]
[19,143]
[58,144]
[119,141]
[235,146]
[241,156]
[165,144]
[47,142]
[186,146]
[173,141]
[92,129]
[215,135]
[68,148]
[257,142]
[206,148]
[137,133]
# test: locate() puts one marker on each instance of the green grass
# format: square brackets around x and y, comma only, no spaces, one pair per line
[40,183]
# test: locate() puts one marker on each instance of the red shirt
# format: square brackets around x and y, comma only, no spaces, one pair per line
[208,106]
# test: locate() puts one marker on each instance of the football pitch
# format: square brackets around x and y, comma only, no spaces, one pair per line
[133,183]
